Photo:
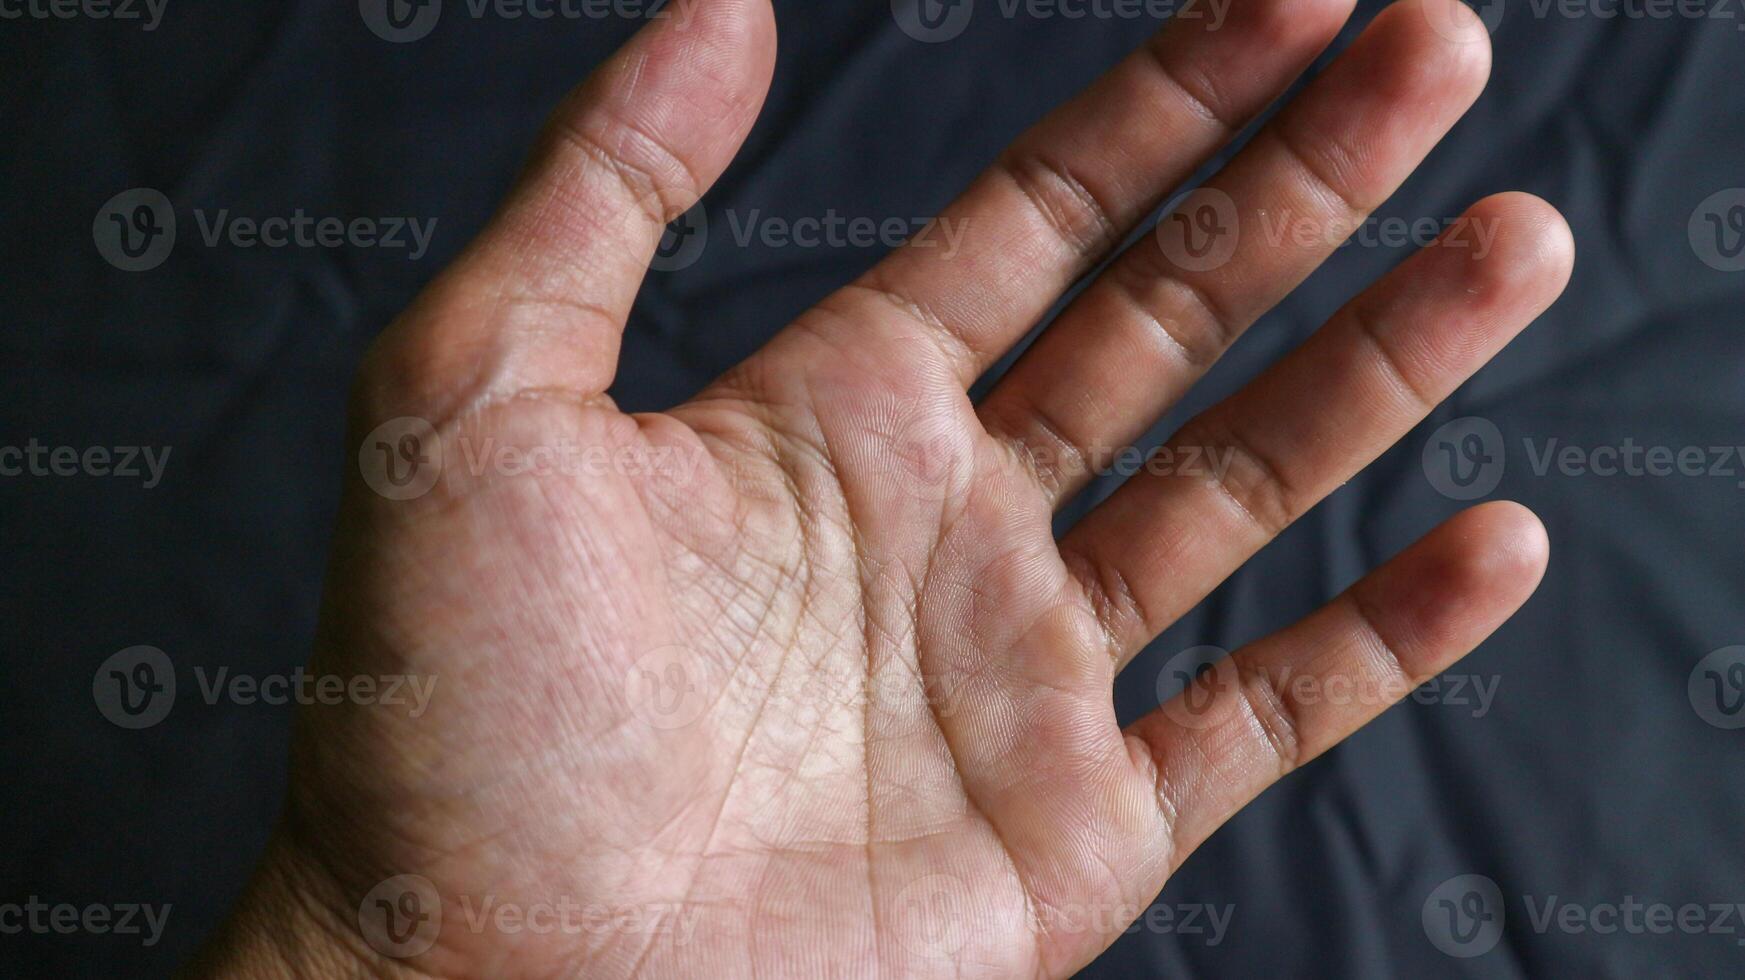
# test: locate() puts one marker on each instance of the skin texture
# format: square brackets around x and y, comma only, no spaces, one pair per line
[822,694]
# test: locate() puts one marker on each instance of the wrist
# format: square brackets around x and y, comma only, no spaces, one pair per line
[290,923]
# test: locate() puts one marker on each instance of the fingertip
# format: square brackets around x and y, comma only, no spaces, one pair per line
[1521,249]
[1444,49]
[1550,231]
[1400,87]
[722,50]
[753,29]
[1453,22]
[1509,547]
[1445,594]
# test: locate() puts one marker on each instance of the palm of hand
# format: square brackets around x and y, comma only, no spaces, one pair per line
[796,678]
[775,669]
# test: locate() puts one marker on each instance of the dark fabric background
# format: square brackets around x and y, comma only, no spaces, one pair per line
[1591,777]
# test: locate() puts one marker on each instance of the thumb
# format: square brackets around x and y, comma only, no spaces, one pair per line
[539,300]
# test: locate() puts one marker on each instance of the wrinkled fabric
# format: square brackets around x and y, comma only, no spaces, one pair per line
[1565,761]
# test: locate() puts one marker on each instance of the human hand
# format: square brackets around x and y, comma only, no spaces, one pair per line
[802,680]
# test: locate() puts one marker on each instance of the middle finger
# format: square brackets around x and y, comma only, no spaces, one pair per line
[1151,326]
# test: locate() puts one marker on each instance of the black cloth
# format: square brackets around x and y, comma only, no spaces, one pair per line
[1586,778]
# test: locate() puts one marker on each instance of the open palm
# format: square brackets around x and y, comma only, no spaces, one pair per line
[796,679]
